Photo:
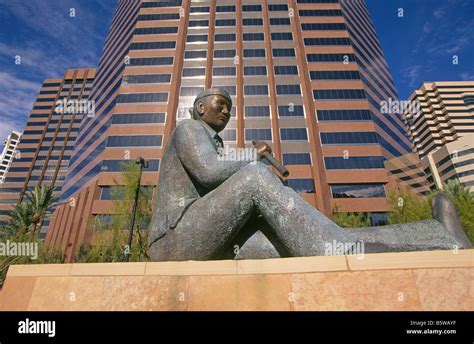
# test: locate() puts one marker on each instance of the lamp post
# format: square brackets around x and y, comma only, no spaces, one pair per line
[143,164]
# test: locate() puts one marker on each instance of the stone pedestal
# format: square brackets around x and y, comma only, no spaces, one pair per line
[430,280]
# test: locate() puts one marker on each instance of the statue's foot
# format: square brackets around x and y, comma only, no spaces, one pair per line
[445,211]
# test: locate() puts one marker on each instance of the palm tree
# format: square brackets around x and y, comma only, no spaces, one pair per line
[20,218]
[40,199]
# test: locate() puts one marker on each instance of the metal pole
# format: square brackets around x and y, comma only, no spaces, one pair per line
[142,162]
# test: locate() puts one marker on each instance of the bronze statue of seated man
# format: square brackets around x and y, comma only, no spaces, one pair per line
[204,202]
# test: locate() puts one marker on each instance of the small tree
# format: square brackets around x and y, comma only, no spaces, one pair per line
[112,234]
[407,207]
[41,200]
[350,220]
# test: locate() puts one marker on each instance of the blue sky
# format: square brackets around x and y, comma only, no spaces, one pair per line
[418,46]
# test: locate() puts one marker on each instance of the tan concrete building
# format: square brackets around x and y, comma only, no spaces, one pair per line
[443,131]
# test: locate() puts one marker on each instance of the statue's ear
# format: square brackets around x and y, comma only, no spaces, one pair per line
[200,107]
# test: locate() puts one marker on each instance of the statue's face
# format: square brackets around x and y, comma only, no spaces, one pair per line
[215,112]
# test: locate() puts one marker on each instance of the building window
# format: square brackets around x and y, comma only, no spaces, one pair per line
[142,98]
[354,163]
[358,191]
[228,135]
[198,23]
[225,22]
[344,115]
[254,52]
[225,8]
[286,70]
[290,111]
[232,90]
[195,54]
[116,165]
[226,37]
[223,71]
[323,26]
[253,36]
[251,8]
[224,53]
[293,134]
[282,36]
[135,141]
[279,21]
[252,21]
[255,70]
[296,159]
[153,45]
[338,94]
[151,61]
[190,91]
[334,75]
[258,134]
[138,118]
[277,7]
[190,72]
[320,13]
[169,3]
[327,41]
[156,30]
[288,89]
[349,138]
[147,79]
[283,52]
[300,185]
[256,90]
[160,16]
[196,38]
[200,9]
[257,111]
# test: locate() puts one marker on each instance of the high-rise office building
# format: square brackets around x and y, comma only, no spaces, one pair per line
[442,131]
[43,154]
[7,156]
[309,77]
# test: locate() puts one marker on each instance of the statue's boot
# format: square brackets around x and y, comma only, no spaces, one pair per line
[443,232]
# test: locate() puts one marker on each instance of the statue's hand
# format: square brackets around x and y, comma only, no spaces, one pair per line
[262,147]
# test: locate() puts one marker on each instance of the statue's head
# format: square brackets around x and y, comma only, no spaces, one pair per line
[213,107]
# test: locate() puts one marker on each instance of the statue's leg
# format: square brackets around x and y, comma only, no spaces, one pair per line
[212,222]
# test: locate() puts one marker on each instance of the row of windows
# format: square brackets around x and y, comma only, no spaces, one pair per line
[291,111]
[323,26]
[317,1]
[151,61]
[195,54]
[153,45]
[225,37]
[160,16]
[320,13]
[334,75]
[338,94]
[296,159]
[253,36]
[353,163]
[116,165]
[358,191]
[282,36]
[310,41]
[196,38]
[156,30]
[344,115]
[288,89]
[255,70]
[300,185]
[279,21]
[286,70]
[138,118]
[147,79]
[258,134]
[347,138]
[189,72]
[256,90]
[223,71]
[168,3]
[257,111]
[142,98]
[293,134]
[117,192]
[135,141]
